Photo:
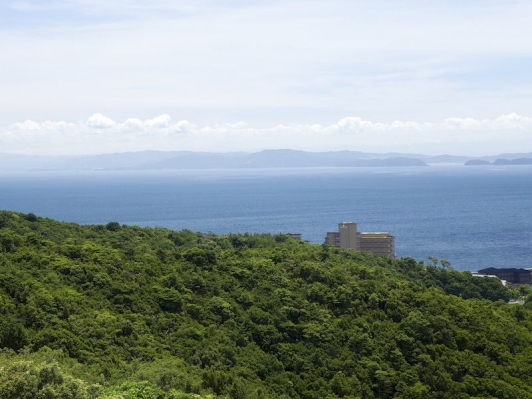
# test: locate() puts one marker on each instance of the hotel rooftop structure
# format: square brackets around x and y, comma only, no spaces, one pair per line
[347,237]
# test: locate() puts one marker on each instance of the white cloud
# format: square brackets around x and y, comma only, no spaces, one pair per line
[98,121]
[351,133]
[503,122]
[27,125]
[162,121]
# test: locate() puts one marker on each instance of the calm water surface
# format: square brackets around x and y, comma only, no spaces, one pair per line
[474,217]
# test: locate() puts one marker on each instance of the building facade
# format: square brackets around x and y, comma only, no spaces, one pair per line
[382,244]
[348,237]
[512,275]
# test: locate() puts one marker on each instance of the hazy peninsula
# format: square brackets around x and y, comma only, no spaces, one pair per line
[499,161]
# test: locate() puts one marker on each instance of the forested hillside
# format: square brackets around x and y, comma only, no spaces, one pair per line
[113,311]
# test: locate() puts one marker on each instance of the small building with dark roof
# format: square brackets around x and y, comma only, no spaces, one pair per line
[512,275]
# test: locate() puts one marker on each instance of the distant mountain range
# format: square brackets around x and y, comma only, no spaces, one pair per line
[171,160]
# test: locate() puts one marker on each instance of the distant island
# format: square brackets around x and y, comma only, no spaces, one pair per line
[280,158]
[482,162]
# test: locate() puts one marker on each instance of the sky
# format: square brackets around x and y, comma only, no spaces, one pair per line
[417,76]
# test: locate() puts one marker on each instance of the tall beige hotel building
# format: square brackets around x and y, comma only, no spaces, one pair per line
[347,237]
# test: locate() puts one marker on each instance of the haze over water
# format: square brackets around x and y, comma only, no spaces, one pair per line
[474,217]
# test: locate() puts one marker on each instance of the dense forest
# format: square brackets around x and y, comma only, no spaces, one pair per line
[115,311]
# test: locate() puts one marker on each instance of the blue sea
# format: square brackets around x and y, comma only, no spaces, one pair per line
[473,217]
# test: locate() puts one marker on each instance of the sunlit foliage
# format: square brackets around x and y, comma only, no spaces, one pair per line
[117,311]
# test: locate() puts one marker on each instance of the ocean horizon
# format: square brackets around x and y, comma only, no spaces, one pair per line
[473,217]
